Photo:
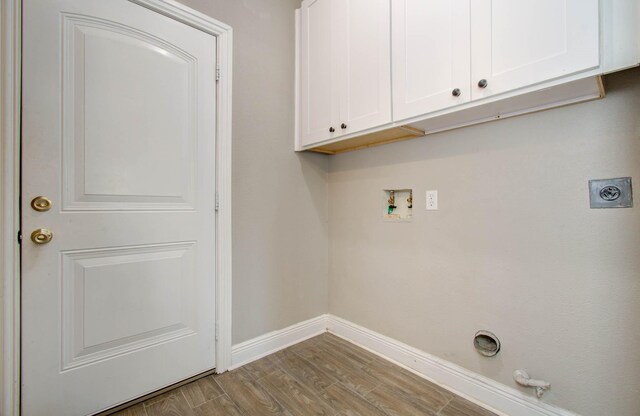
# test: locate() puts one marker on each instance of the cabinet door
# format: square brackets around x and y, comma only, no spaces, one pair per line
[364,57]
[431,46]
[319,100]
[521,43]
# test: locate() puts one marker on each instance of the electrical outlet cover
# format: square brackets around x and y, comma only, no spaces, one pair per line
[611,193]
[432,200]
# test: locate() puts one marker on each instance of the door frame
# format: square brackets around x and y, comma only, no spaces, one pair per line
[10,118]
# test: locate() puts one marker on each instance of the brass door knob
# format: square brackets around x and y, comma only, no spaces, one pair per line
[41,203]
[41,236]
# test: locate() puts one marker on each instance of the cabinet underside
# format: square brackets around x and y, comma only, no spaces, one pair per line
[577,91]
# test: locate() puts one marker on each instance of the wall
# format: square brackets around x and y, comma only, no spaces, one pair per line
[279,197]
[514,248]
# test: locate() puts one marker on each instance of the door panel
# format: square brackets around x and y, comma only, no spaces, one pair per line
[521,43]
[319,98]
[108,310]
[431,43]
[365,64]
[130,133]
[119,132]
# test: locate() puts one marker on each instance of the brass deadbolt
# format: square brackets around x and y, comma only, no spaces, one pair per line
[41,203]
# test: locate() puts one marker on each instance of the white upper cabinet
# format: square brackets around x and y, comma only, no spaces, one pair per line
[431,60]
[345,68]
[365,65]
[378,71]
[520,43]
[319,101]
[448,52]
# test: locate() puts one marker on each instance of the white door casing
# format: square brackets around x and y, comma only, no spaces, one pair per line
[520,43]
[10,70]
[119,130]
[431,43]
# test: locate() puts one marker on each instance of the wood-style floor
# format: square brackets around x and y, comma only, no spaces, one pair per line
[321,376]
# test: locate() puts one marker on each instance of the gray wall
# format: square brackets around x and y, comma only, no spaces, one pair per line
[514,248]
[279,197]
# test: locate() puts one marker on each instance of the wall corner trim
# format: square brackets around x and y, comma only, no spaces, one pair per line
[481,390]
[274,341]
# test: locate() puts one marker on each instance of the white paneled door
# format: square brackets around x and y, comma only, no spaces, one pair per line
[119,135]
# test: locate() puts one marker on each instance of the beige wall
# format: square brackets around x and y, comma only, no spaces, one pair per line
[279,197]
[514,248]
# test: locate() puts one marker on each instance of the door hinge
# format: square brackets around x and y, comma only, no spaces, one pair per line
[217,202]
[217,331]
[19,237]
[217,72]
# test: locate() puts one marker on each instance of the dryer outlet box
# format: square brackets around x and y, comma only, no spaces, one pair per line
[611,193]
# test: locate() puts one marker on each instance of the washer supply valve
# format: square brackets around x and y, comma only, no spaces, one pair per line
[521,377]
[392,202]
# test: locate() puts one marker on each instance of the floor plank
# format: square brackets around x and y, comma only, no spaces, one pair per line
[462,407]
[324,375]
[262,367]
[296,398]
[137,410]
[175,405]
[344,370]
[220,406]
[161,397]
[248,395]
[393,404]
[345,402]
[410,387]
[358,356]
[201,391]
[307,373]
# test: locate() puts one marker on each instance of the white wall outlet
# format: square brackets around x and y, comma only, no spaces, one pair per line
[432,200]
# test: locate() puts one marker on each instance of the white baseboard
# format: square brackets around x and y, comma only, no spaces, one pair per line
[266,344]
[485,392]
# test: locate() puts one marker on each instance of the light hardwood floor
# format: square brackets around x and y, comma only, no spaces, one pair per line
[324,375]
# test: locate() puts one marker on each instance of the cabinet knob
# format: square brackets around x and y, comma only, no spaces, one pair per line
[456,92]
[343,126]
[331,129]
[483,83]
